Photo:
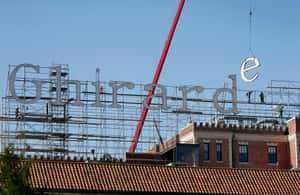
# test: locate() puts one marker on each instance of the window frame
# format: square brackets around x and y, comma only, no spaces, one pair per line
[206,152]
[219,152]
[272,155]
[243,153]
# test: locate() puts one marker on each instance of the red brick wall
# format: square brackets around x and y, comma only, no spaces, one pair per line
[186,130]
[258,156]
[176,139]
[257,150]
[170,142]
[283,155]
[294,129]
[292,125]
[292,148]
[213,154]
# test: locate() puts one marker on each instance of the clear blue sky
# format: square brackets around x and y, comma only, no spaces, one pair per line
[124,38]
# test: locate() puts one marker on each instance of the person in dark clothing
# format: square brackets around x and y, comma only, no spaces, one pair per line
[17,113]
[249,95]
[262,97]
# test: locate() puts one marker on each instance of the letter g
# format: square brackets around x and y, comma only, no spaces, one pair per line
[37,83]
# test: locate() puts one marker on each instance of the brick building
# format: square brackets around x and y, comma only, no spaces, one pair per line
[234,146]
[225,159]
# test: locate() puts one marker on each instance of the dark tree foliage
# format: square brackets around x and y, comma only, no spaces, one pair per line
[14,173]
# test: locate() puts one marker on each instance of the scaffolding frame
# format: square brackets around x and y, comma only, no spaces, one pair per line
[65,130]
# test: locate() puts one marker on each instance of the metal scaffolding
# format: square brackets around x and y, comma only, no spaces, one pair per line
[46,128]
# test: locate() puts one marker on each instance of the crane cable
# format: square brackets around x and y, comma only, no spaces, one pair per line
[252,57]
[250,28]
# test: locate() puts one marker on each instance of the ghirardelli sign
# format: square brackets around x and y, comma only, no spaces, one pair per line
[115,87]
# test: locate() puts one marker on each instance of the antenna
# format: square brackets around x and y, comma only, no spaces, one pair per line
[97,74]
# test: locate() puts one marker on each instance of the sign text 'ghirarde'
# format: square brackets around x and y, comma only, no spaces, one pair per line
[115,86]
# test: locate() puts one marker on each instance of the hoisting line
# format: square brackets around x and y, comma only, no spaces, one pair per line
[155,79]
[250,29]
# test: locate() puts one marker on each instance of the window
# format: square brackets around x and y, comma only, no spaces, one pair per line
[219,152]
[243,149]
[272,154]
[206,151]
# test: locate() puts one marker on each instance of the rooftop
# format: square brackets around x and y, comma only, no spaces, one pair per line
[66,176]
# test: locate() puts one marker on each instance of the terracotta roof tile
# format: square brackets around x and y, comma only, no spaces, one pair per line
[60,176]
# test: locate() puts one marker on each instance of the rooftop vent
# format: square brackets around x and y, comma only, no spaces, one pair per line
[177,164]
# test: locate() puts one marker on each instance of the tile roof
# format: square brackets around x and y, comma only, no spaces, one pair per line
[66,176]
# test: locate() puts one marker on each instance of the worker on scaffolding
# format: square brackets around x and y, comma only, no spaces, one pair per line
[249,95]
[262,97]
[17,113]
[281,111]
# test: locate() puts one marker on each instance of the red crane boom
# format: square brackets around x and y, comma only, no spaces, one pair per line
[155,79]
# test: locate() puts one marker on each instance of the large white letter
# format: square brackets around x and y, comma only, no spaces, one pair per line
[37,83]
[115,88]
[243,69]
[163,95]
[233,92]
[58,85]
[77,85]
[97,94]
[185,91]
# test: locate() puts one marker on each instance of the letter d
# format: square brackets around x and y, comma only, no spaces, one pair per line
[233,92]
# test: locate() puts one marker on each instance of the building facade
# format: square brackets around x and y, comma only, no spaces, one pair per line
[233,146]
